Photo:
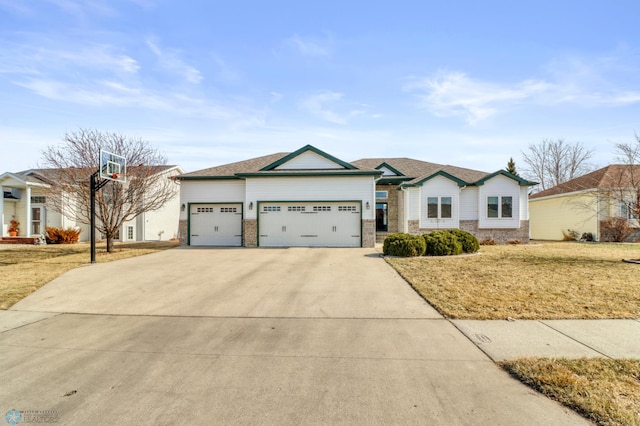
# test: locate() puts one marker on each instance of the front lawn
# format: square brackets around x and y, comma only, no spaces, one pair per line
[537,281]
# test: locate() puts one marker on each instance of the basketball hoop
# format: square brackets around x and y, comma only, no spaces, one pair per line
[114,176]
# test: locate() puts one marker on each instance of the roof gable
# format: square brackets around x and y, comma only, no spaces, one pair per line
[388,170]
[422,180]
[521,182]
[308,158]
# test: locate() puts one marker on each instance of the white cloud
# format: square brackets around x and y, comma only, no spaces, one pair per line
[170,60]
[456,94]
[325,104]
[310,47]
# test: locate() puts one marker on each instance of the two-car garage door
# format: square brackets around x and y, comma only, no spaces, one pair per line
[309,224]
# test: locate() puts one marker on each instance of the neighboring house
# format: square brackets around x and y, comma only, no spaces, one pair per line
[25,200]
[581,204]
[310,198]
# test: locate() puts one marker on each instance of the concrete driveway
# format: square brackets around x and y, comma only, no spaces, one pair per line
[250,336]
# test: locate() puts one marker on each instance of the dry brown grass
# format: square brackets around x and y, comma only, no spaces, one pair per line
[23,270]
[546,281]
[604,390]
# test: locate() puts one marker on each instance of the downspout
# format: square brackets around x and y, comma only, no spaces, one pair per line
[462,188]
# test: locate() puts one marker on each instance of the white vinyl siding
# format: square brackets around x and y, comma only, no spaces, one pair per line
[413,194]
[442,189]
[469,203]
[499,186]
[312,188]
[210,191]
[309,161]
[524,205]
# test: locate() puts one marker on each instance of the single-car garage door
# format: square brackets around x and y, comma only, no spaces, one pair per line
[309,224]
[215,224]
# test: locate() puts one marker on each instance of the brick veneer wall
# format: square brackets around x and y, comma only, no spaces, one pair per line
[392,206]
[497,234]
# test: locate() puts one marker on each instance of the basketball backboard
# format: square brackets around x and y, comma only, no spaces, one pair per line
[113,166]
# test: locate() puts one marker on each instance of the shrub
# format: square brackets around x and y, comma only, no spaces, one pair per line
[469,242]
[405,245]
[615,229]
[514,242]
[442,243]
[488,242]
[570,235]
[62,235]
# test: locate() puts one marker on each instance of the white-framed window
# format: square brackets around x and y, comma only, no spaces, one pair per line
[500,207]
[439,208]
[626,209]
[382,194]
[38,199]
[129,232]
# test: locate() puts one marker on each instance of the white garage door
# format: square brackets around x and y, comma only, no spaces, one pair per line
[309,224]
[215,224]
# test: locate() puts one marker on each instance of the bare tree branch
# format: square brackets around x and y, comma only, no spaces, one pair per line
[551,163]
[77,157]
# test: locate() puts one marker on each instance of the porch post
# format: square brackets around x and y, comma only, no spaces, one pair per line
[1,211]
[28,197]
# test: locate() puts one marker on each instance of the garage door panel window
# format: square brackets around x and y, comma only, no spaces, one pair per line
[296,208]
[271,208]
[321,208]
[500,207]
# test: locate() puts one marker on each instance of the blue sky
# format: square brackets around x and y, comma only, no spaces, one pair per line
[466,83]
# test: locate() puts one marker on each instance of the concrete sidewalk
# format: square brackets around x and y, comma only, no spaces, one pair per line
[502,340]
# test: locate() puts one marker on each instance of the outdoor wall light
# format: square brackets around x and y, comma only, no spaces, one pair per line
[368,205]
[182,207]
[251,205]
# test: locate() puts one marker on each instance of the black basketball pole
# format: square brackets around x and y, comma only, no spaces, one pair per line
[94,186]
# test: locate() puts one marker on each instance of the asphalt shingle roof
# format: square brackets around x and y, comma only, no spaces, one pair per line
[417,170]
[612,176]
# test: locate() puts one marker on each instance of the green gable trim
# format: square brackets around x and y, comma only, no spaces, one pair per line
[444,174]
[395,180]
[310,173]
[521,182]
[391,168]
[303,150]
[207,177]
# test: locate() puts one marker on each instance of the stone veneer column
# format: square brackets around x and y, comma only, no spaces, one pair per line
[368,233]
[182,232]
[250,232]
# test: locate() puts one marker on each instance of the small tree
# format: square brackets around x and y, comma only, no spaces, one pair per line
[551,163]
[511,167]
[627,191]
[77,157]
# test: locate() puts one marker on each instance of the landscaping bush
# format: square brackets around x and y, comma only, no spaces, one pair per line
[442,243]
[469,242]
[405,245]
[615,229]
[488,242]
[62,235]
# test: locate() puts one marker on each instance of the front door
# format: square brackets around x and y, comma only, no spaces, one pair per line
[37,220]
[381,217]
